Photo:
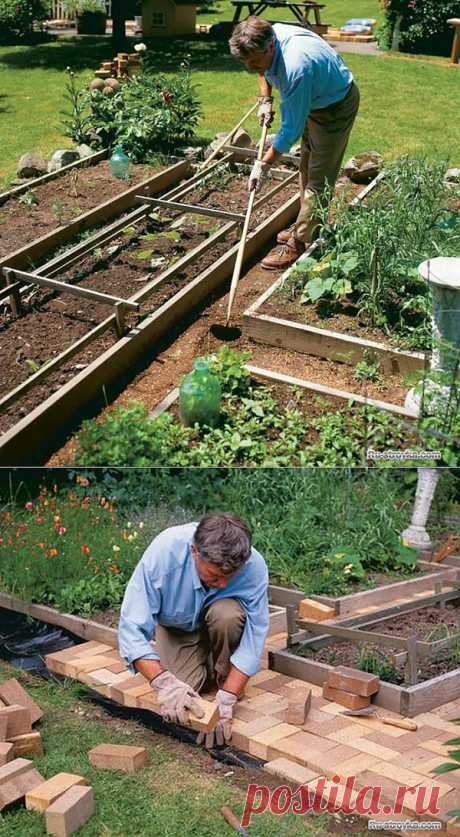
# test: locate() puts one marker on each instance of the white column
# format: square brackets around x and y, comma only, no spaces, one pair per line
[416,535]
[443,276]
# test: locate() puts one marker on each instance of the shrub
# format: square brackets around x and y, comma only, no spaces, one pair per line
[419,25]
[148,114]
[18,17]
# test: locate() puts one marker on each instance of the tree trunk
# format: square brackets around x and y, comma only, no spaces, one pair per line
[119,25]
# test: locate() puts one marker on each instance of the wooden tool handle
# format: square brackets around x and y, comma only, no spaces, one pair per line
[240,254]
[231,818]
[402,723]
[227,138]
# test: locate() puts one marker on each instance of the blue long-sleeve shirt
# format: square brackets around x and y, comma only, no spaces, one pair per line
[166,589]
[309,75]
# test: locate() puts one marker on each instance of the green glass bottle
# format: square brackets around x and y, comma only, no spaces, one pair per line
[119,164]
[199,396]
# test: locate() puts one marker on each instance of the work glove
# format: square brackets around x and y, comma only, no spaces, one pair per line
[175,698]
[265,114]
[258,173]
[222,732]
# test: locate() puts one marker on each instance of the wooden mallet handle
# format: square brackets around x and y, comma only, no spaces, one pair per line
[402,723]
[232,820]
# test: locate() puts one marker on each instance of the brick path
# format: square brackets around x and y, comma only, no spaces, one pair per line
[327,745]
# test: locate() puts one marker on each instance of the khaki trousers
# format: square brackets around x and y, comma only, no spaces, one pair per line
[195,656]
[323,145]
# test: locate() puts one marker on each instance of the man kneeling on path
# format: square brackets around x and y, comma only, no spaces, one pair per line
[319,101]
[202,590]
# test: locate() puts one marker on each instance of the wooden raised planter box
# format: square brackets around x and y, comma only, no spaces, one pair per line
[33,182]
[407,700]
[34,437]
[332,345]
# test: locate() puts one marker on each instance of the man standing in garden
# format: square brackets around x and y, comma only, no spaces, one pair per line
[201,589]
[319,102]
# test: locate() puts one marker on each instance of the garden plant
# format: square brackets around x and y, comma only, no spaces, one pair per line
[148,114]
[371,253]
[79,542]
[261,425]
[418,25]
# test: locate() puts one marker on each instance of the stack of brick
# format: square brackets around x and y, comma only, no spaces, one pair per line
[65,799]
[18,711]
[350,687]
[124,65]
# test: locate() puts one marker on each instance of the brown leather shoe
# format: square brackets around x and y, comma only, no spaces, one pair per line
[283,256]
[284,235]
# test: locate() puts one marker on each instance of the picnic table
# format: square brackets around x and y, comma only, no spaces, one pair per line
[301,11]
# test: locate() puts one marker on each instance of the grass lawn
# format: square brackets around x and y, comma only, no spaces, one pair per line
[407,105]
[179,794]
[335,13]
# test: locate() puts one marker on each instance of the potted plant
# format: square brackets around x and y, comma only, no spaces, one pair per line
[90,15]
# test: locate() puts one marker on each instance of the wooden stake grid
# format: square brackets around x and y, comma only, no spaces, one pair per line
[412,648]
[14,289]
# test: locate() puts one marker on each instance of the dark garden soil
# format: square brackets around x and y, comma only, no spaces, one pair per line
[53,322]
[423,622]
[61,201]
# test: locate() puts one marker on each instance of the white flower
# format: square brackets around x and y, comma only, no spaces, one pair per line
[141,525]
[140,47]
[116,548]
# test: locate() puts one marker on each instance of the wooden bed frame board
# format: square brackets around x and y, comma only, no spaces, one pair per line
[350,603]
[31,439]
[388,592]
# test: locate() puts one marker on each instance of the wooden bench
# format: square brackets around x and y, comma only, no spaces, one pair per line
[455,22]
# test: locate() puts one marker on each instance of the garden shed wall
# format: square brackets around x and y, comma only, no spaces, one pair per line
[165,17]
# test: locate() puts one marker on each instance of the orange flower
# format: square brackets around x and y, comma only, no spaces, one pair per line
[57,518]
[53,552]
[41,545]
[84,549]
[114,569]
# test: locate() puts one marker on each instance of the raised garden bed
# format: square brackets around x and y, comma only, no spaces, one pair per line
[431,659]
[330,307]
[273,420]
[264,324]
[59,198]
[386,589]
[182,289]
[104,627]
[431,625]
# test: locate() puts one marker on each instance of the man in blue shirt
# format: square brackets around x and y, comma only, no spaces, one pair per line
[202,590]
[319,102]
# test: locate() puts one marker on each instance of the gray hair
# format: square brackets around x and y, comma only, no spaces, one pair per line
[252,34]
[224,540]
